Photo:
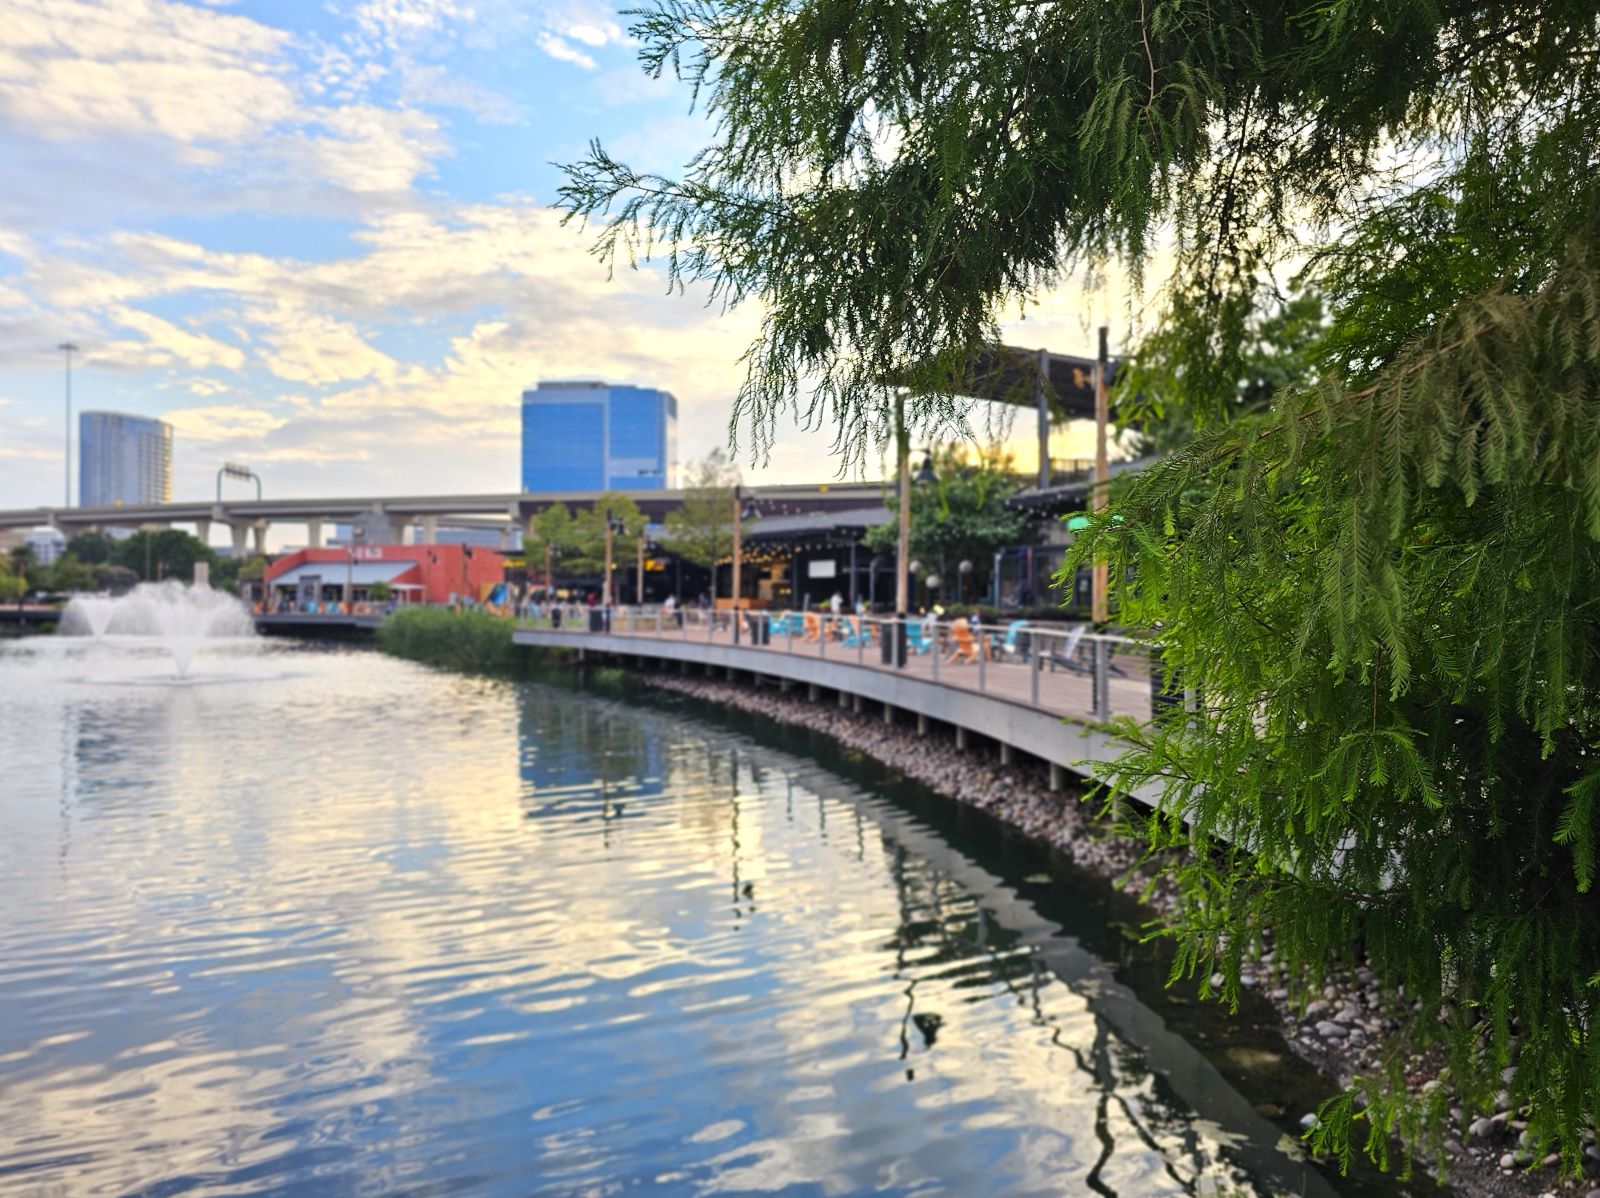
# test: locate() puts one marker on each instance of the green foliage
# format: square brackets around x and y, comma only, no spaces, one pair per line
[588,542]
[91,548]
[701,530]
[116,579]
[167,553]
[1383,587]
[380,592]
[471,641]
[13,586]
[552,533]
[68,574]
[1386,595]
[1278,350]
[961,515]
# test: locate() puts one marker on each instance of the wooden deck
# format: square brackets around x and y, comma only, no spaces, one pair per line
[1044,676]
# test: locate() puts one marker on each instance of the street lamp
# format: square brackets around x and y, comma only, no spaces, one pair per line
[742,511]
[613,527]
[962,571]
[67,348]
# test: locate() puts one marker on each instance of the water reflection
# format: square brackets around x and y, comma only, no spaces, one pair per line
[312,931]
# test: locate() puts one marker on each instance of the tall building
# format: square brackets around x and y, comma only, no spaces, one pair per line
[123,459]
[587,436]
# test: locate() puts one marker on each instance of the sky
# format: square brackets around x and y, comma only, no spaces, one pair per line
[317,238]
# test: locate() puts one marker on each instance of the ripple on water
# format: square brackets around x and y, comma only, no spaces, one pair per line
[319,920]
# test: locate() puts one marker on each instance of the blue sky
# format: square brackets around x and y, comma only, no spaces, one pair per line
[316,237]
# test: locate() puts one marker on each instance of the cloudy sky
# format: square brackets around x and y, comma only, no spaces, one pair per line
[315,236]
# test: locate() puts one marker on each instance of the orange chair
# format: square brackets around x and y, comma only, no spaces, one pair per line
[964,649]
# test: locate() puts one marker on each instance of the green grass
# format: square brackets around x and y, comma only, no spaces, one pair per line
[470,641]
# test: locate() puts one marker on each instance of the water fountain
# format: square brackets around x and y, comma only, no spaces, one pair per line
[180,617]
[93,612]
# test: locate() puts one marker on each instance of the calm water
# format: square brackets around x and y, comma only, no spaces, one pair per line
[323,922]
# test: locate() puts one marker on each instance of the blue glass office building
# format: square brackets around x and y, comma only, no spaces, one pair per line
[123,459]
[588,436]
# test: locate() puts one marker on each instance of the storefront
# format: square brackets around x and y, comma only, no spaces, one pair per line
[333,580]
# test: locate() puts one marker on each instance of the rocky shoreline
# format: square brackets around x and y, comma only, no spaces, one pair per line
[1340,1032]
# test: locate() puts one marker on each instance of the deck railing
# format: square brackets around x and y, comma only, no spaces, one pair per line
[1063,668]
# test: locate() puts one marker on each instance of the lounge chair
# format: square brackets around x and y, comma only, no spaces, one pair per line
[1066,654]
[856,636]
[965,647]
[919,636]
[1011,646]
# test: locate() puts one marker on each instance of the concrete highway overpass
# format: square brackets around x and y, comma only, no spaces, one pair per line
[397,512]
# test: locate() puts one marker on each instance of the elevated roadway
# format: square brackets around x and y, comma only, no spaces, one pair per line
[397,512]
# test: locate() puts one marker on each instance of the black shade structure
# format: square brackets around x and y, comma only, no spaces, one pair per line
[1056,386]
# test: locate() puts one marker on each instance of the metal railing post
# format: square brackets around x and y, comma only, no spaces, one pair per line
[933,645]
[1033,667]
[1102,678]
[983,656]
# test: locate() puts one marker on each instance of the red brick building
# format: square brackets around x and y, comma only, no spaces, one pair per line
[415,574]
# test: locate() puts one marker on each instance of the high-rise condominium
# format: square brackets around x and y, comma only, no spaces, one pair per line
[588,436]
[123,459]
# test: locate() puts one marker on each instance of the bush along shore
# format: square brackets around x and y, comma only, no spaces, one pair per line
[474,642]
[1342,1031]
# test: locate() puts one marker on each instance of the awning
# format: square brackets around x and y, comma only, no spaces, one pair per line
[336,574]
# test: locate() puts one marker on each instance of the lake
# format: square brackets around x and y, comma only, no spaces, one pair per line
[317,921]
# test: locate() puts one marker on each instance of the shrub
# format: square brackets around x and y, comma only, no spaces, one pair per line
[472,641]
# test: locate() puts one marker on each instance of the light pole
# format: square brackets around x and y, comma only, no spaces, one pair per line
[742,511]
[67,348]
[638,586]
[902,450]
[738,549]
[1099,607]
[613,527]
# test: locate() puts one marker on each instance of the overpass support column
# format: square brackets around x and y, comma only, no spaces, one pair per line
[313,534]
[202,530]
[922,724]
[261,537]
[430,530]
[961,737]
[1007,755]
[241,539]
[1057,777]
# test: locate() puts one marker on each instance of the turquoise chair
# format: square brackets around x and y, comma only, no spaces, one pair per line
[917,636]
[856,636]
[788,623]
[1001,648]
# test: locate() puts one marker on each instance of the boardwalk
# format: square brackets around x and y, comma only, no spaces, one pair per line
[1051,669]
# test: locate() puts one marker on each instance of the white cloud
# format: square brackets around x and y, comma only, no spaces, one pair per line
[222,422]
[217,91]
[559,48]
[366,148]
[310,347]
[591,35]
[80,68]
[192,349]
